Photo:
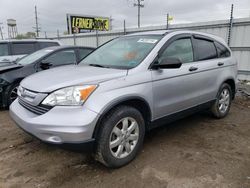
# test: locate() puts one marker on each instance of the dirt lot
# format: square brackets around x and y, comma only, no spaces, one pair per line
[197,151]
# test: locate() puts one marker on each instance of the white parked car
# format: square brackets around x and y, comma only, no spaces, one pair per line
[11,50]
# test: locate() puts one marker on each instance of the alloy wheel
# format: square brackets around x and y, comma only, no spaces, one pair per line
[13,94]
[224,100]
[124,137]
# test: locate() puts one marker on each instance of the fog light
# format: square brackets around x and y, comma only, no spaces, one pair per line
[55,139]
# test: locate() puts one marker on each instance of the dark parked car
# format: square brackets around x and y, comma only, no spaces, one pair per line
[12,73]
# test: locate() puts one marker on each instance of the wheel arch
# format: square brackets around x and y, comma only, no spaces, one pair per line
[231,82]
[137,102]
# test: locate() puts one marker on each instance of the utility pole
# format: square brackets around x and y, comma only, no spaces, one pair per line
[230,26]
[37,29]
[139,5]
[58,34]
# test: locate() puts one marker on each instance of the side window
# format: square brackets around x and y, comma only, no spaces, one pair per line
[47,44]
[4,49]
[83,53]
[181,49]
[63,57]
[205,49]
[23,48]
[222,50]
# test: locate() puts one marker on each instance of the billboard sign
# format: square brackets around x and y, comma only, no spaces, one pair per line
[82,23]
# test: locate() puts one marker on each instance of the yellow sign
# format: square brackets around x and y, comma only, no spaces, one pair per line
[170,18]
[79,24]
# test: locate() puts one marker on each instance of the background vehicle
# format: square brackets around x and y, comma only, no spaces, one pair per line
[12,74]
[129,85]
[11,50]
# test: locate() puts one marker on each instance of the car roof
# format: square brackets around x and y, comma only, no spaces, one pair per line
[66,47]
[165,32]
[156,32]
[28,40]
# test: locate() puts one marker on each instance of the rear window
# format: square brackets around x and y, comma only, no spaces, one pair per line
[4,49]
[23,48]
[222,50]
[47,44]
[205,49]
[83,53]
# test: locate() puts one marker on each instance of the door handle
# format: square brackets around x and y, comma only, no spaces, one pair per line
[193,68]
[6,60]
[220,64]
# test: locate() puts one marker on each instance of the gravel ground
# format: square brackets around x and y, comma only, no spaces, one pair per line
[195,152]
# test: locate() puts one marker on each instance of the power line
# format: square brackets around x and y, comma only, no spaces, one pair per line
[139,5]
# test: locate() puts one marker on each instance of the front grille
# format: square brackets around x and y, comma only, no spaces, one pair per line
[39,110]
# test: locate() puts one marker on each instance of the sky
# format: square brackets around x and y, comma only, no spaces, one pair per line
[52,13]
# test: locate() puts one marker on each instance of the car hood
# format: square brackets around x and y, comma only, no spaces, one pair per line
[53,79]
[4,67]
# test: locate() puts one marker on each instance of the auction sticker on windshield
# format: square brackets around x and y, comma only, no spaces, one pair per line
[152,41]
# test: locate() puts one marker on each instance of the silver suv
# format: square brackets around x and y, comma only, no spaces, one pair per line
[126,87]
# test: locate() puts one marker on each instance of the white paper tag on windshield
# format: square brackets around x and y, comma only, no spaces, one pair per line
[151,41]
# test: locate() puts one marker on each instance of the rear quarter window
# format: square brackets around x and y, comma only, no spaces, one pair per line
[47,44]
[222,50]
[83,53]
[205,49]
[4,51]
[22,48]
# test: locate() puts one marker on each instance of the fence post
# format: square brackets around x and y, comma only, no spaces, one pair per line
[74,38]
[96,35]
[124,27]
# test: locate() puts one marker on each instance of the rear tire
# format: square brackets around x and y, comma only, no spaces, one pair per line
[120,137]
[223,101]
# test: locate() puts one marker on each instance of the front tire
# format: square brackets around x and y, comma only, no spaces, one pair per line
[11,94]
[121,136]
[223,101]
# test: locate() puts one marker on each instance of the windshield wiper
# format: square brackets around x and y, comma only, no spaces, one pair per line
[98,65]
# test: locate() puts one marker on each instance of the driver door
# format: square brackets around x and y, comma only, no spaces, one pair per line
[176,89]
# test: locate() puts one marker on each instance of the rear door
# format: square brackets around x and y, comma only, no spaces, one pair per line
[209,67]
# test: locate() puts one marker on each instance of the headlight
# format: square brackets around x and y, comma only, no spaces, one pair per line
[70,96]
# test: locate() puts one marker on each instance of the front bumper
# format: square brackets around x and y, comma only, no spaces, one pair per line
[60,125]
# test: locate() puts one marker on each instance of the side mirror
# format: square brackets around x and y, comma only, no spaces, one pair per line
[168,63]
[45,65]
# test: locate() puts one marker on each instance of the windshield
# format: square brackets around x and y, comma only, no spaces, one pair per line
[124,53]
[34,56]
